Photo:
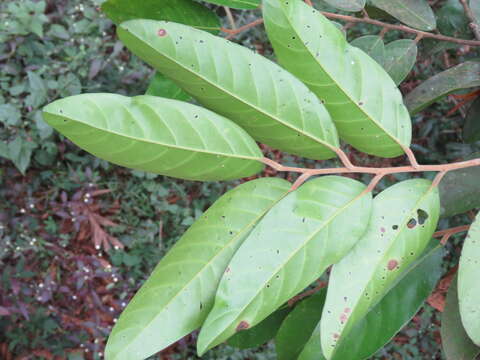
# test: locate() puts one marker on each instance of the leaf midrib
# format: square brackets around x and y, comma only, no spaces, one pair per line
[413,13]
[243,101]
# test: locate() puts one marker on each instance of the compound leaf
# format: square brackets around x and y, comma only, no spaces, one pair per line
[471,128]
[393,240]
[237,4]
[268,102]
[299,325]
[415,13]
[465,75]
[373,45]
[400,57]
[162,136]
[362,99]
[179,293]
[347,5]
[182,11]
[289,248]
[468,289]
[164,87]
[455,341]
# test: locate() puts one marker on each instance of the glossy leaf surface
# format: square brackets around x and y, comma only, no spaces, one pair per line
[364,102]
[179,293]
[400,57]
[260,333]
[463,76]
[237,4]
[164,87]
[455,341]
[347,5]
[372,45]
[313,348]
[289,248]
[471,128]
[460,190]
[157,135]
[182,11]
[468,289]
[299,325]
[267,101]
[415,13]
[393,240]
[397,308]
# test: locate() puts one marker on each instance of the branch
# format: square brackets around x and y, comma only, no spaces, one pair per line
[471,16]
[446,234]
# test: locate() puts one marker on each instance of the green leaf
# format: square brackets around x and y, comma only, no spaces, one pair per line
[313,348]
[475,6]
[237,4]
[164,87]
[347,5]
[179,293]
[162,136]
[471,128]
[289,248]
[362,99]
[10,115]
[373,45]
[393,240]
[260,333]
[268,102]
[384,319]
[414,13]
[299,325]
[468,289]
[456,343]
[20,153]
[460,190]
[463,76]
[186,12]
[400,57]
[452,20]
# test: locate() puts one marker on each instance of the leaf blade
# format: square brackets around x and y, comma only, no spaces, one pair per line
[400,57]
[347,5]
[392,242]
[310,217]
[471,128]
[228,79]
[164,87]
[184,141]
[372,45]
[415,13]
[192,288]
[367,109]
[237,4]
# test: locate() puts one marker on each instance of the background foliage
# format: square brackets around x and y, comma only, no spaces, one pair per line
[60,293]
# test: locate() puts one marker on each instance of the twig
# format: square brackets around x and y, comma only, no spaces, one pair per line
[301,296]
[384,25]
[230,18]
[471,16]
[446,234]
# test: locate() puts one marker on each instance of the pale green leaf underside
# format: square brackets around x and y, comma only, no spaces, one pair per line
[237,4]
[468,289]
[415,13]
[393,240]
[157,135]
[455,341]
[347,5]
[362,99]
[267,101]
[179,293]
[289,248]
[400,57]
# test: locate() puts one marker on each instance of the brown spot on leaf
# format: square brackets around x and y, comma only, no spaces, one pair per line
[227,269]
[336,336]
[392,264]
[347,310]
[343,318]
[243,325]
[162,32]
[382,229]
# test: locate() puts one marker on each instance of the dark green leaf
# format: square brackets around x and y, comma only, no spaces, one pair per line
[158,135]
[237,4]
[393,241]
[10,115]
[164,87]
[456,343]
[460,190]
[415,13]
[452,20]
[373,45]
[299,325]
[179,293]
[347,5]
[260,333]
[468,289]
[475,6]
[289,248]
[471,128]
[397,308]
[400,56]
[362,99]
[465,75]
[186,12]
[313,348]
[20,153]
[267,101]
